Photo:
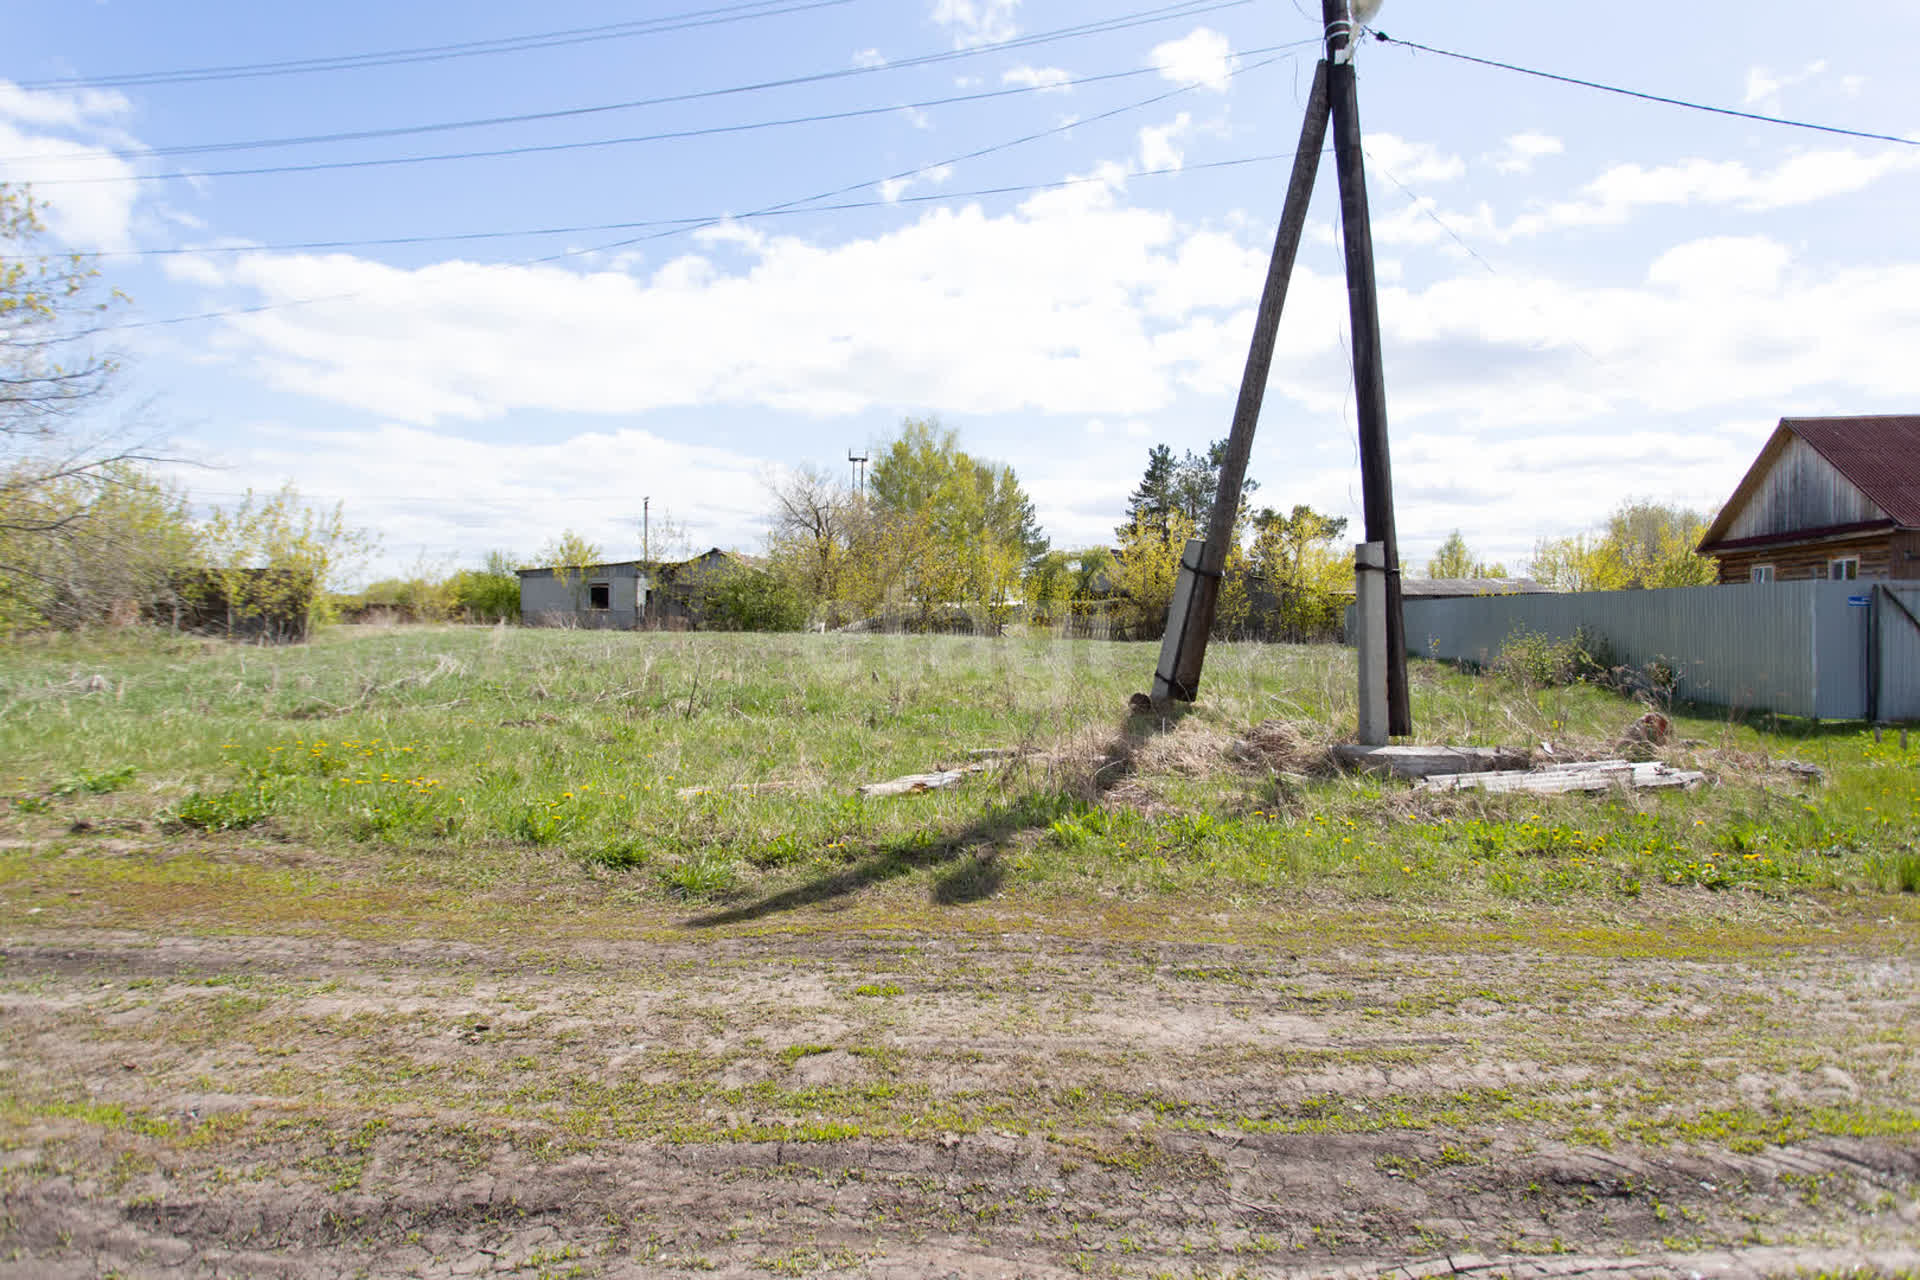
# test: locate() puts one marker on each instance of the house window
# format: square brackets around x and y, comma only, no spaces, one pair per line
[1761,573]
[600,596]
[1844,569]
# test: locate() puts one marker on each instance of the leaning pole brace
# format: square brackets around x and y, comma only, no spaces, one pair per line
[1369,378]
[1197,590]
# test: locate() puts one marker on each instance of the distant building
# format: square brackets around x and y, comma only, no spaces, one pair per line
[1833,498]
[620,595]
[1455,588]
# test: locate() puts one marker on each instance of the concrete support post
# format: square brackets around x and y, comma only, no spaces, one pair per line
[1183,629]
[1370,598]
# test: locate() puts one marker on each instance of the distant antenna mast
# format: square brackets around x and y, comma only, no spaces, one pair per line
[859,462]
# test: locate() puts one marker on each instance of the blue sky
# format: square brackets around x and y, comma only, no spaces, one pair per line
[1586,298]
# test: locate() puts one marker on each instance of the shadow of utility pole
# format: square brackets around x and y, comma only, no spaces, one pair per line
[972,851]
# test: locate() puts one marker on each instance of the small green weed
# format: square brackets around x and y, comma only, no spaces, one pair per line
[622,853]
[229,810]
[702,875]
[101,783]
[1904,873]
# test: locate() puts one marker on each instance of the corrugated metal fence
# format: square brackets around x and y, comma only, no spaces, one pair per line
[1833,650]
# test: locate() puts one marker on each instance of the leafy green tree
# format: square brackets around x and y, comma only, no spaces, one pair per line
[1455,560]
[490,593]
[1299,558]
[60,468]
[739,597]
[1155,499]
[1643,544]
[924,469]
[570,556]
[88,550]
[274,558]
[972,523]
[45,383]
[1452,560]
[1146,567]
[811,533]
[1655,543]
[1185,486]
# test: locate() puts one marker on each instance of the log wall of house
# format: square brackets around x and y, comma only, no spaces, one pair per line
[1906,554]
[1801,490]
[1877,554]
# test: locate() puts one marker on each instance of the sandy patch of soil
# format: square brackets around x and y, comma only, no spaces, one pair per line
[946,1106]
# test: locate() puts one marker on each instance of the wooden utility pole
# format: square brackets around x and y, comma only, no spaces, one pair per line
[1370,385]
[1197,589]
[1184,650]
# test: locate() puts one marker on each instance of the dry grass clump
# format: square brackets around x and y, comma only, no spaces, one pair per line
[1286,746]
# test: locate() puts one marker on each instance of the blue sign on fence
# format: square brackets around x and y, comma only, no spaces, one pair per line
[1859,602]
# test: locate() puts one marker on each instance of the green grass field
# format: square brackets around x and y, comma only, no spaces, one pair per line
[722,770]
[458,951]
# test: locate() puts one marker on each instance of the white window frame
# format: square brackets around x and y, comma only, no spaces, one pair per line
[1843,569]
[1760,573]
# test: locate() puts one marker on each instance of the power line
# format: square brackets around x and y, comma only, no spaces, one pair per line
[689,223]
[667,136]
[799,205]
[436,53]
[1651,97]
[1183,9]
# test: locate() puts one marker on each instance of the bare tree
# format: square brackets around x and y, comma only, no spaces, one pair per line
[74,497]
[811,528]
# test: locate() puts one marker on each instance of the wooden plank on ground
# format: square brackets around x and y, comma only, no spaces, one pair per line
[1558,779]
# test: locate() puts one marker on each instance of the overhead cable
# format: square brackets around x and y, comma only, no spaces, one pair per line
[666,136]
[799,205]
[1184,9]
[436,53]
[1650,97]
[689,223]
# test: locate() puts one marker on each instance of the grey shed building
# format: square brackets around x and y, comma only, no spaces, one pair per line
[600,595]
[625,594]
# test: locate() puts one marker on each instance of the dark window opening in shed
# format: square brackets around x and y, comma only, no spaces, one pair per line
[600,596]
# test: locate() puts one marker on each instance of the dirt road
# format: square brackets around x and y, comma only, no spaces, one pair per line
[978,1104]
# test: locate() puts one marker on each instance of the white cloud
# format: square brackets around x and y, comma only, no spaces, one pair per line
[1046,79]
[1413,161]
[1543,398]
[891,189]
[1617,194]
[1722,265]
[66,143]
[1159,144]
[509,494]
[868,58]
[61,108]
[1763,85]
[973,314]
[1203,56]
[973,23]
[1423,222]
[1519,152]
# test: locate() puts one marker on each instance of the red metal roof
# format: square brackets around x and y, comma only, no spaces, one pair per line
[1880,456]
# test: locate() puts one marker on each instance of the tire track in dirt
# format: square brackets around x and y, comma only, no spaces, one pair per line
[932,1106]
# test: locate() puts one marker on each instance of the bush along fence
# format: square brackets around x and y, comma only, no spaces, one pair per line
[1824,650]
